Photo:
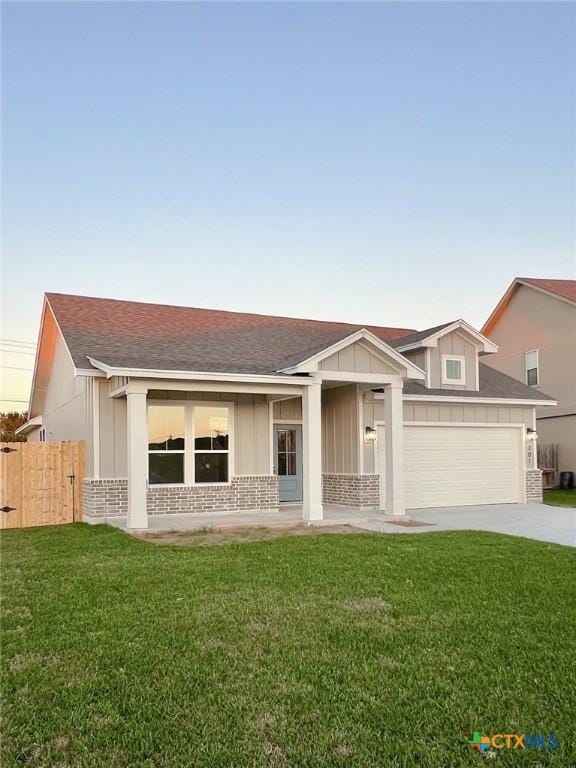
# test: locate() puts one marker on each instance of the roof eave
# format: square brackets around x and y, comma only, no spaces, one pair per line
[155,373]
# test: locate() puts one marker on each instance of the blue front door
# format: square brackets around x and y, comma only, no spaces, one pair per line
[288,460]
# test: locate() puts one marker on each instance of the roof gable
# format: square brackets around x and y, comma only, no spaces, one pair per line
[564,290]
[430,337]
[360,352]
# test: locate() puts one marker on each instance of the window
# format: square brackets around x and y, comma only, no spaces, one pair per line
[188,444]
[166,444]
[453,368]
[532,375]
[211,444]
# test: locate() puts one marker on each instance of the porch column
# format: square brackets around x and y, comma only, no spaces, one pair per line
[394,436]
[312,451]
[137,439]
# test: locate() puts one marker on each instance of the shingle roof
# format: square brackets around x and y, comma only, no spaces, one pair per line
[128,334]
[493,383]
[564,288]
[414,338]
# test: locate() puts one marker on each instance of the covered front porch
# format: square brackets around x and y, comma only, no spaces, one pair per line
[211,445]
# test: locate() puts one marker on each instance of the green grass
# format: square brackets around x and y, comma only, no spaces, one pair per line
[559,498]
[329,650]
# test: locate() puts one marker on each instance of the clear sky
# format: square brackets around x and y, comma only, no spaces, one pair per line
[384,163]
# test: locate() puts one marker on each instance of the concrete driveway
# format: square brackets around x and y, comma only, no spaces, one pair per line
[533,521]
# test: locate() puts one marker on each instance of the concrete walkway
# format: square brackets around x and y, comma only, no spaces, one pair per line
[534,521]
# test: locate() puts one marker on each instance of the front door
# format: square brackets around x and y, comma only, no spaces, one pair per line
[288,460]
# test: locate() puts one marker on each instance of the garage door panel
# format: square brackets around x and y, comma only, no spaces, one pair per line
[453,466]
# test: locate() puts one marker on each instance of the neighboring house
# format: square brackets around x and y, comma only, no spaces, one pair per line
[196,410]
[534,326]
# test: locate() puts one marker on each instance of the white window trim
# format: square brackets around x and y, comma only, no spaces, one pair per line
[459,358]
[526,369]
[189,448]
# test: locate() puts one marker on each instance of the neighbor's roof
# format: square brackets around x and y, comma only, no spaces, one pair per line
[493,384]
[563,289]
[129,334]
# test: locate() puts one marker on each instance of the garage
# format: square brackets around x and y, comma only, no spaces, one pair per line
[447,466]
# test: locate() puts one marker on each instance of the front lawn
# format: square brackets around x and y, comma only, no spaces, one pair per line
[558,498]
[328,650]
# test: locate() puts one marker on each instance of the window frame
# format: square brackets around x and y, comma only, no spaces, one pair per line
[458,358]
[189,441]
[537,368]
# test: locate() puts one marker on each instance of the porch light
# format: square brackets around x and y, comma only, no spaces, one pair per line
[531,434]
[369,435]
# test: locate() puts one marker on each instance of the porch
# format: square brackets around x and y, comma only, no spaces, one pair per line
[213,444]
[286,515]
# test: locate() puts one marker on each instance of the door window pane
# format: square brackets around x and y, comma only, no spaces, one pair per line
[211,467]
[286,452]
[211,428]
[165,468]
[166,427]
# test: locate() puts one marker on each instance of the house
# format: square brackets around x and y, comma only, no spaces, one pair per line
[534,326]
[197,410]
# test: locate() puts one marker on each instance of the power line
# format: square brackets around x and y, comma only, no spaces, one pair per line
[16,368]
[16,352]
[12,343]
[12,400]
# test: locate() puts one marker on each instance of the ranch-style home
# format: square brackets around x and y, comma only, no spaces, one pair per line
[197,410]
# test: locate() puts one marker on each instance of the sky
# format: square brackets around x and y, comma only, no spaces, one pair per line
[380,163]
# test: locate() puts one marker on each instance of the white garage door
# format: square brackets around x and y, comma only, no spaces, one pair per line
[453,466]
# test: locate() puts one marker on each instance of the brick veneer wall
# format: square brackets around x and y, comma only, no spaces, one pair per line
[245,493]
[361,491]
[109,497]
[104,498]
[534,485]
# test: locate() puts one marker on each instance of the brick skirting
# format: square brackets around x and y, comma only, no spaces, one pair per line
[534,485]
[362,491]
[246,493]
[104,498]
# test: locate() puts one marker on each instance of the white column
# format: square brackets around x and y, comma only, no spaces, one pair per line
[312,451]
[137,426]
[394,417]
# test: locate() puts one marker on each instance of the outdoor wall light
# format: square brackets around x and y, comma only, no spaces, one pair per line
[369,435]
[531,434]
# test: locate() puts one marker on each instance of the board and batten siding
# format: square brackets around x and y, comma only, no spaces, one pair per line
[373,411]
[356,357]
[454,344]
[417,356]
[67,411]
[251,430]
[340,430]
[288,410]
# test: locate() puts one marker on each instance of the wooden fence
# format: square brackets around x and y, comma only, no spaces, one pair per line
[548,463]
[41,483]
